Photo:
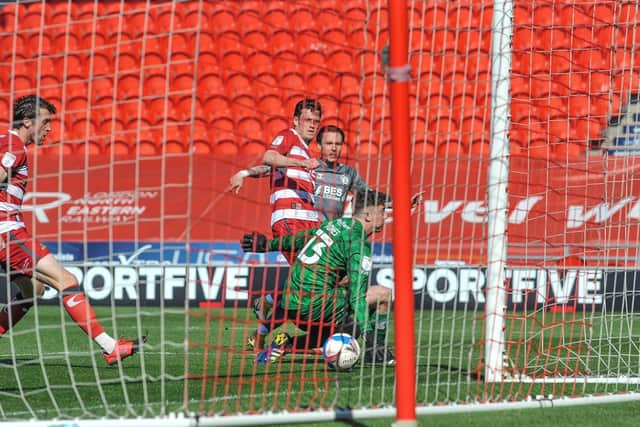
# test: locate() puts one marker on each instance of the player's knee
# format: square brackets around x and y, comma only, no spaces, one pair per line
[68,280]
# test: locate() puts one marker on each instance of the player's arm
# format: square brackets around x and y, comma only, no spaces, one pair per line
[416,199]
[258,171]
[3,174]
[359,270]
[256,242]
[277,160]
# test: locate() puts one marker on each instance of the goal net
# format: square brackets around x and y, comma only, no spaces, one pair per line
[161,102]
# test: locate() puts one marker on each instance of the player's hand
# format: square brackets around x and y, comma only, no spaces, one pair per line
[416,200]
[254,242]
[235,183]
[310,163]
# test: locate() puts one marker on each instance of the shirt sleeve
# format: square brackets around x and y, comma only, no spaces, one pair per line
[12,155]
[281,143]
[357,183]
[359,271]
[292,242]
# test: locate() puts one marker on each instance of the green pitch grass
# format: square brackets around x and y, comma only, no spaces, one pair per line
[195,362]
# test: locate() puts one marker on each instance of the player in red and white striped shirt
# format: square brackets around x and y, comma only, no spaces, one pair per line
[29,263]
[292,180]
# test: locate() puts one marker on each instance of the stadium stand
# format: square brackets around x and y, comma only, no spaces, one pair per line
[248,52]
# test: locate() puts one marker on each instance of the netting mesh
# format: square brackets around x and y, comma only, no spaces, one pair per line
[178,95]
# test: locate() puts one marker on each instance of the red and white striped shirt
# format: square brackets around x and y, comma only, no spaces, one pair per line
[13,159]
[291,188]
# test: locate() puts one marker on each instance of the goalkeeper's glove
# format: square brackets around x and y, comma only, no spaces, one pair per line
[254,242]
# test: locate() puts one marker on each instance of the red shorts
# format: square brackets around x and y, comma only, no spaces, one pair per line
[19,252]
[290,226]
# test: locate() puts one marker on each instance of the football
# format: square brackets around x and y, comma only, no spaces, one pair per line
[341,351]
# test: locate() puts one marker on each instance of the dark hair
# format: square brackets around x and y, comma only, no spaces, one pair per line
[28,107]
[330,128]
[307,104]
[364,199]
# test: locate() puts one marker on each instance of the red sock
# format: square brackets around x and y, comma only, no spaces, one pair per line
[78,307]
[18,308]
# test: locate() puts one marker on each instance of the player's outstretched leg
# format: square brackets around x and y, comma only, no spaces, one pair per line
[376,349]
[76,303]
[262,308]
[124,348]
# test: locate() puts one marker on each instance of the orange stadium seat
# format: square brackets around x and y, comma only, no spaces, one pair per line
[583,38]
[330,106]
[574,82]
[341,61]
[86,10]
[275,125]
[600,104]
[249,20]
[559,129]
[319,83]
[334,37]
[222,20]
[275,15]
[571,16]
[579,105]
[259,62]
[128,86]
[101,88]
[226,148]
[292,80]
[522,14]
[302,16]
[450,148]
[253,150]
[347,86]
[271,104]
[422,150]
[459,16]
[361,38]
[256,39]
[101,64]
[250,127]
[354,16]
[561,63]
[543,14]
[329,19]
[523,39]
[306,41]
[568,150]
[552,39]
[238,84]
[598,83]
[154,84]
[435,16]
[285,63]
[211,84]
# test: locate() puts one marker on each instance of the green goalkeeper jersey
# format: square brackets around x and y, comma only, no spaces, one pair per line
[326,254]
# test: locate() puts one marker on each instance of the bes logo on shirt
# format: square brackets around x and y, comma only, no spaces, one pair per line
[8,160]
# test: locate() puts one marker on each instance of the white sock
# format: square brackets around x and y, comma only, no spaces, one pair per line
[105,341]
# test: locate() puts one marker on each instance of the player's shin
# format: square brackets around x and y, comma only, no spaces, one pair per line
[13,312]
[80,310]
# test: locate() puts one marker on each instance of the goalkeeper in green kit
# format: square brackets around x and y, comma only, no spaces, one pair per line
[316,296]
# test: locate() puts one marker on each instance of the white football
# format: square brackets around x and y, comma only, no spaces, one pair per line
[341,351]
